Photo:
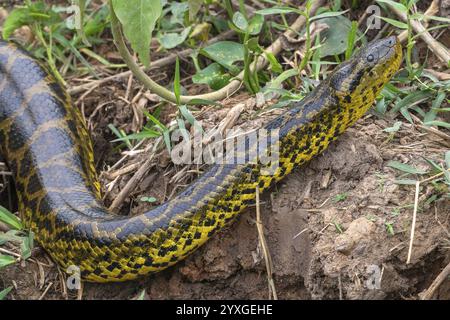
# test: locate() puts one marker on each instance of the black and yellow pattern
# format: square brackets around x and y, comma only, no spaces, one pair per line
[47,147]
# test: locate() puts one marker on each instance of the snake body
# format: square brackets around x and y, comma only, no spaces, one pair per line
[46,145]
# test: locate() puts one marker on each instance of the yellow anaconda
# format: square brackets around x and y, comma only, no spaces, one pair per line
[46,146]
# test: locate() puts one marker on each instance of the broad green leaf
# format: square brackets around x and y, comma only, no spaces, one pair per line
[213,75]
[171,40]
[178,10]
[226,53]
[4,292]
[336,36]
[240,21]
[6,260]
[404,167]
[256,24]
[138,20]
[10,219]
[194,8]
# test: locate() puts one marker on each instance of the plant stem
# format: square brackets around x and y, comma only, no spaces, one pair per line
[224,92]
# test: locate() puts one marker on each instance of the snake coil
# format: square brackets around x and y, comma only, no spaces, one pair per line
[47,147]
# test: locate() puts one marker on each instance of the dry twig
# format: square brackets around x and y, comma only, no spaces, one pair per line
[264,247]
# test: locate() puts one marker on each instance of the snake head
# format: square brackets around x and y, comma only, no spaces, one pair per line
[370,68]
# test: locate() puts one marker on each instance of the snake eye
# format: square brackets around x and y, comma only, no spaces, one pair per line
[370,58]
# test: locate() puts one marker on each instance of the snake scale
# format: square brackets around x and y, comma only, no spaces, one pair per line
[47,147]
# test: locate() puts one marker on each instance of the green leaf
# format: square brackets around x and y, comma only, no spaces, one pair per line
[404,167]
[405,113]
[427,17]
[394,128]
[34,12]
[10,219]
[144,134]
[11,236]
[276,10]
[316,58]
[176,81]
[274,64]
[189,117]
[395,23]
[396,5]
[154,120]
[16,19]
[447,159]
[240,21]
[141,295]
[26,246]
[411,99]
[178,10]
[381,106]
[194,8]
[6,260]
[138,20]
[276,83]
[205,102]
[5,292]
[351,40]
[148,199]
[328,15]
[336,36]
[438,101]
[120,134]
[226,53]
[213,75]
[405,181]
[256,24]
[438,123]
[171,40]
